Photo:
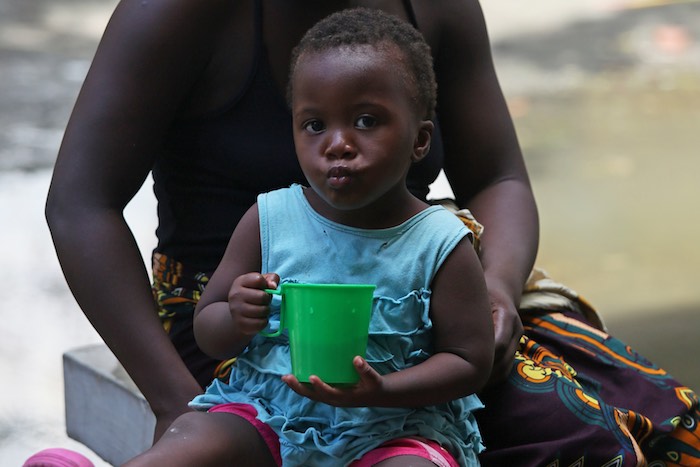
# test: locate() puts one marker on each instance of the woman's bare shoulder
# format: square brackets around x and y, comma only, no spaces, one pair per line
[159,39]
[446,21]
[171,18]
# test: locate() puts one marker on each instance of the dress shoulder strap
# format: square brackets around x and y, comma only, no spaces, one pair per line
[411,14]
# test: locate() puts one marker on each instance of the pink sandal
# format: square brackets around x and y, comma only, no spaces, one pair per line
[58,457]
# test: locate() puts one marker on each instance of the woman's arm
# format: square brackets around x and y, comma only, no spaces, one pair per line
[485,167]
[143,70]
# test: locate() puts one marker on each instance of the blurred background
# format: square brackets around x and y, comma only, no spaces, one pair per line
[605,95]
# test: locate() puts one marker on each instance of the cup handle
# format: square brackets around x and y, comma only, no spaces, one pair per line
[281,328]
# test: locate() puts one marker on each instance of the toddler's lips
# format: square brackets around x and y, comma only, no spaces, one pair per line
[339,176]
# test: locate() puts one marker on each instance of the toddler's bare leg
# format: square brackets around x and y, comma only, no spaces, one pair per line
[207,439]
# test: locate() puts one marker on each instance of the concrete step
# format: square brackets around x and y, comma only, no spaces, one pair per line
[104,409]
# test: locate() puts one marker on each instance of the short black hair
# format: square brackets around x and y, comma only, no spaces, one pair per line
[365,26]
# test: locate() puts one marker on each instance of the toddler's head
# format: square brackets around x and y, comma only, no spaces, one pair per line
[362,92]
[358,27]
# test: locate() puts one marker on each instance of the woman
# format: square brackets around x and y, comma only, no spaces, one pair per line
[194,92]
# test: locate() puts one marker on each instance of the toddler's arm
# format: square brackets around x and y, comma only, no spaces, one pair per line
[233,307]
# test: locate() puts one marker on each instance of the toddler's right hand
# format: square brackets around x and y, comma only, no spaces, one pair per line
[248,302]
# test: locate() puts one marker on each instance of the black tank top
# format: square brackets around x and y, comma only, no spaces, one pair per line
[212,168]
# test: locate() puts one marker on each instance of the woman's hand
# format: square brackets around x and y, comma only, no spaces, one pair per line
[508,329]
[368,389]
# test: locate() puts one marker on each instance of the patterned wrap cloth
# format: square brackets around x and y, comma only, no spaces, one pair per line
[576,396]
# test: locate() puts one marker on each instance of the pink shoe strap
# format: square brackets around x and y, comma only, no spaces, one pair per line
[58,457]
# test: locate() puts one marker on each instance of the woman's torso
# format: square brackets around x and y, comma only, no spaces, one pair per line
[233,138]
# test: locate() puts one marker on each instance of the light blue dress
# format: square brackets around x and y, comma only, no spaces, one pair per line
[302,246]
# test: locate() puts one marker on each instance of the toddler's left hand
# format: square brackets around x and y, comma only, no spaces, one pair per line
[365,393]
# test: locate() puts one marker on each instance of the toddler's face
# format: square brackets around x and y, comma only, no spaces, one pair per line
[355,125]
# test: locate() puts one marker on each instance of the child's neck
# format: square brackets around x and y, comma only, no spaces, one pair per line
[385,213]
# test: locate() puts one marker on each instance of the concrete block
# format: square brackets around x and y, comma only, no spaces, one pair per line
[104,409]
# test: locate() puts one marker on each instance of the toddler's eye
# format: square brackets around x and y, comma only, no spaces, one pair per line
[314,126]
[365,121]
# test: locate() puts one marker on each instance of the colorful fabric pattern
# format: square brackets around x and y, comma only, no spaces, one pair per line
[176,291]
[577,396]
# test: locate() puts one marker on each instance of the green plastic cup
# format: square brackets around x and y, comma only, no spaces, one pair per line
[328,326]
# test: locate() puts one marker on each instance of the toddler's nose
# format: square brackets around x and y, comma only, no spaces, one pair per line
[340,146]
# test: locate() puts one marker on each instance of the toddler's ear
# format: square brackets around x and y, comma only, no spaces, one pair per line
[421,145]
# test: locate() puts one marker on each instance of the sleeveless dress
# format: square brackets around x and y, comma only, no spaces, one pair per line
[302,246]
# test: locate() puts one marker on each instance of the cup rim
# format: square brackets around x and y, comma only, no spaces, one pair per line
[326,286]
